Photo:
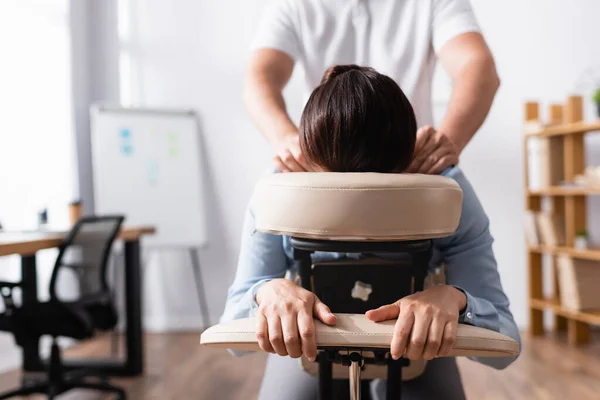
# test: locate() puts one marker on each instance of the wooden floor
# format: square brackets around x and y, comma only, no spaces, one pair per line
[179,369]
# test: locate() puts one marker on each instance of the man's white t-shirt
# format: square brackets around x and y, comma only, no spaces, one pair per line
[399,38]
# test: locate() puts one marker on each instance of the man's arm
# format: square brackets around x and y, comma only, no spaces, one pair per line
[470,64]
[268,72]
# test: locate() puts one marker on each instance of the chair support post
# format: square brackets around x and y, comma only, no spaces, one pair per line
[303,263]
[356,361]
[325,377]
[394,379]
[420,252]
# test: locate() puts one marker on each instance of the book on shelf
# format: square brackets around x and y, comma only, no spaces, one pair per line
[544,162]
[551,229]
[531,229]
[578,281]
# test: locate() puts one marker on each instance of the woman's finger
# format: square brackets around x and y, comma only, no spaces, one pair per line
[434,338]
[276,335]
[289,325]
[402,330]
[418,336]
[384,313]
[449,338]
[323,313]
[262,334]
[306,327]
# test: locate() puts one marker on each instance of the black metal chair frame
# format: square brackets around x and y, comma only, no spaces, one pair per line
[58,380]
[419,251]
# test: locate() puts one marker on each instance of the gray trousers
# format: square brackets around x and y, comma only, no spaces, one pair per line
[285,379]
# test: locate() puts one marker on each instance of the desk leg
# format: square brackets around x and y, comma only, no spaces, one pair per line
[134,339]
[200,288]
[31,347]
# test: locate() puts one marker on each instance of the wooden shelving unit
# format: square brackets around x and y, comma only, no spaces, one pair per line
[565,191]
[564,129]
[566,124]
[588,254]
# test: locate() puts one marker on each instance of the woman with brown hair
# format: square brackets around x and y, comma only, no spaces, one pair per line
[359,120]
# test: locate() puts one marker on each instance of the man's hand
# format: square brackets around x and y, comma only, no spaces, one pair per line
[285,319]
[427,322]
[434,152]
[288,157]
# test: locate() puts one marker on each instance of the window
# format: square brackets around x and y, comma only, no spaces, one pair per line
[36,133]
[37,164]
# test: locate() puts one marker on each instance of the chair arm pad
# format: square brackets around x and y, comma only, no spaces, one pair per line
[356,331]
[11,285]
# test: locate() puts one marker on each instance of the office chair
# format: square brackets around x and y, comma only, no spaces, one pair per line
[89,242]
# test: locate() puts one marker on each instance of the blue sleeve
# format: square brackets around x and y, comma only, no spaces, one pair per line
[471,266]
[262,258]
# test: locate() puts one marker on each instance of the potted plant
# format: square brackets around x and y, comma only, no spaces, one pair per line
[581,239]
[596,98]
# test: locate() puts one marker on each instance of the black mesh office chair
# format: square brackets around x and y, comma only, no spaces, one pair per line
[85,250]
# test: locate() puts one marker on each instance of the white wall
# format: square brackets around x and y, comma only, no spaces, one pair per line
[35,132]
[193,53]
[542,48]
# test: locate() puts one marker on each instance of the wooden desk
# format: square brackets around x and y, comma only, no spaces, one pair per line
[26,244]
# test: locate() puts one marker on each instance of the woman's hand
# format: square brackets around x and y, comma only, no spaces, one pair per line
[434,152]
[427,322]
[285,319]
[288,156]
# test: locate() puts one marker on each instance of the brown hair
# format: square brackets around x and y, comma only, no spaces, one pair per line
[358,120]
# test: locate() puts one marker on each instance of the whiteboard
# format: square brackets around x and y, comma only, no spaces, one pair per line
[147,166]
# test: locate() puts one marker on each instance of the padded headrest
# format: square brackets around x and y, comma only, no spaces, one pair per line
[357,206]
[356,331]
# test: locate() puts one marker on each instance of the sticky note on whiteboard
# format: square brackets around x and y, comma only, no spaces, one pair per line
[152,172]
[125,142]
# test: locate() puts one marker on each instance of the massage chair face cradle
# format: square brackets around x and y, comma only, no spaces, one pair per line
[373,219]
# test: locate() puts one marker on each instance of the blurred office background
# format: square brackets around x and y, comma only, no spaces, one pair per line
[59,57]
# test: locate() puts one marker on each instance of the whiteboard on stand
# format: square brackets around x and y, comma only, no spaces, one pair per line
[147,166]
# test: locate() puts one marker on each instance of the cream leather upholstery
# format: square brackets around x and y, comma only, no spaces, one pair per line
[356,331]
[357,206]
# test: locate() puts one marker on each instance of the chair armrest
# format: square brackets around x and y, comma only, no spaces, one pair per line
[6,293]
[10,285]
[356,331]
[78,268]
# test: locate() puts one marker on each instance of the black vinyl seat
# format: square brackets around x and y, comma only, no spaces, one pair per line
[85,251]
